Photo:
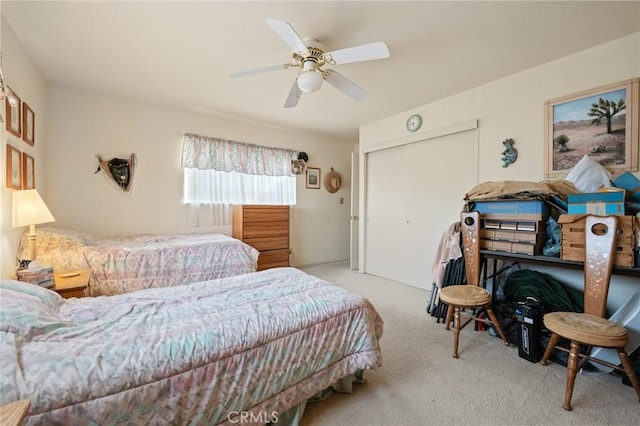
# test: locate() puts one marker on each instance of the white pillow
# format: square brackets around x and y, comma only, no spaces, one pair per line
[28,310]
[589,175]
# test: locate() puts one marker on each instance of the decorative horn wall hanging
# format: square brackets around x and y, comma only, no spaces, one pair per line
[120,170]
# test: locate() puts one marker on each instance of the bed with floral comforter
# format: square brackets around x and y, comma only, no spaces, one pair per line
[124,264]
[251,346]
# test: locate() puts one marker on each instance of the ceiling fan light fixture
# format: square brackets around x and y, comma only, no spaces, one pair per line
[308,54]
[309,79]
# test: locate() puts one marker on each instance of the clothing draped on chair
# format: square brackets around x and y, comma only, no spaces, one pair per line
[454,274]
[448,252]
[448,249]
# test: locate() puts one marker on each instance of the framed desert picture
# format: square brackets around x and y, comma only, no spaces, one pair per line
[601,123]
[28,124]
[14,120]
[28,172]
[14,162]
[313,178]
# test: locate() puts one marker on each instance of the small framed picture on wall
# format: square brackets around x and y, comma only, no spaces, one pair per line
[28,172]
[28,124]
[14,122]
[14,172]
[313,178]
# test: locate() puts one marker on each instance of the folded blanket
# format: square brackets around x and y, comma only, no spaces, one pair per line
[520,189]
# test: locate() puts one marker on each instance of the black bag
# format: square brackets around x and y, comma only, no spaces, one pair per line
[525,285]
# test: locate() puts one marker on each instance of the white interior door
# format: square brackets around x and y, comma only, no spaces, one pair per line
[355,211]
[414,192]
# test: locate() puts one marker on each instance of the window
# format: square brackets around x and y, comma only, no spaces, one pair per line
[215,187]
[218,171]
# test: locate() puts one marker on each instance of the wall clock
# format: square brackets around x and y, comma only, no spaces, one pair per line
[414,122]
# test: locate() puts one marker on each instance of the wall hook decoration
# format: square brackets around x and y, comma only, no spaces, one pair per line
[299,166]
[510,154]
[120,170]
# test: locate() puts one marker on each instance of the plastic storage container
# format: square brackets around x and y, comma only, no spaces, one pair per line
[628,315]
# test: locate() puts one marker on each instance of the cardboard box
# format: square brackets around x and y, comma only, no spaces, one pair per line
[513,236]
[611,195]
[525,248]
[573,239]
[511,247]
[599,209]
[534,210]
[511,225]
[628,181]
[603,203]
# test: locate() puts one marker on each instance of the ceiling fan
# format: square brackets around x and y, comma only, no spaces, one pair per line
[310,58]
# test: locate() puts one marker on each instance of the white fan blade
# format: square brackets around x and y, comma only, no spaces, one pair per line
[256,71]
[363,52]
[286,32]
[344,85]
[294,95]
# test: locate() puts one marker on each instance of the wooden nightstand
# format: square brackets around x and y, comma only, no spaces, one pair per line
[14,413]
[74,283]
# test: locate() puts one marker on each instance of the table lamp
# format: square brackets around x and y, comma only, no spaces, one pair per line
[29,209]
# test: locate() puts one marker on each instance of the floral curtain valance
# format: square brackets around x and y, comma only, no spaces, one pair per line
[202,152]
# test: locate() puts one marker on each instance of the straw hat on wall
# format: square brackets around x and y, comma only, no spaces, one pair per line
[332,181]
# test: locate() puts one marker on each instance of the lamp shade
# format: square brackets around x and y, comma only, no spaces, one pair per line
[29,209]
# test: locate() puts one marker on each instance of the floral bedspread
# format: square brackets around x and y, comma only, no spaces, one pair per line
[124,264]
[201,353]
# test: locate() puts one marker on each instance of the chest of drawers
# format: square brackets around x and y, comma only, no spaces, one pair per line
[266,228]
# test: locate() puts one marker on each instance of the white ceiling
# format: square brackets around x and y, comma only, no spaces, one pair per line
[179,53]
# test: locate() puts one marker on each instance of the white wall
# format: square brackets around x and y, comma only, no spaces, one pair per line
[73,126]
[513,107]
[23,78]
[82,125]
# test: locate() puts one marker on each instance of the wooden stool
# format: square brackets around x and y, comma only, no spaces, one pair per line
[470,295]
[590,328]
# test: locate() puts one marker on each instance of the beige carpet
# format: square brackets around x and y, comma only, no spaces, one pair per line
[420,383]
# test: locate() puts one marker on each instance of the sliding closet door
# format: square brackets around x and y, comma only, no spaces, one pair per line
[385,206]
[414,192]
[442,171]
